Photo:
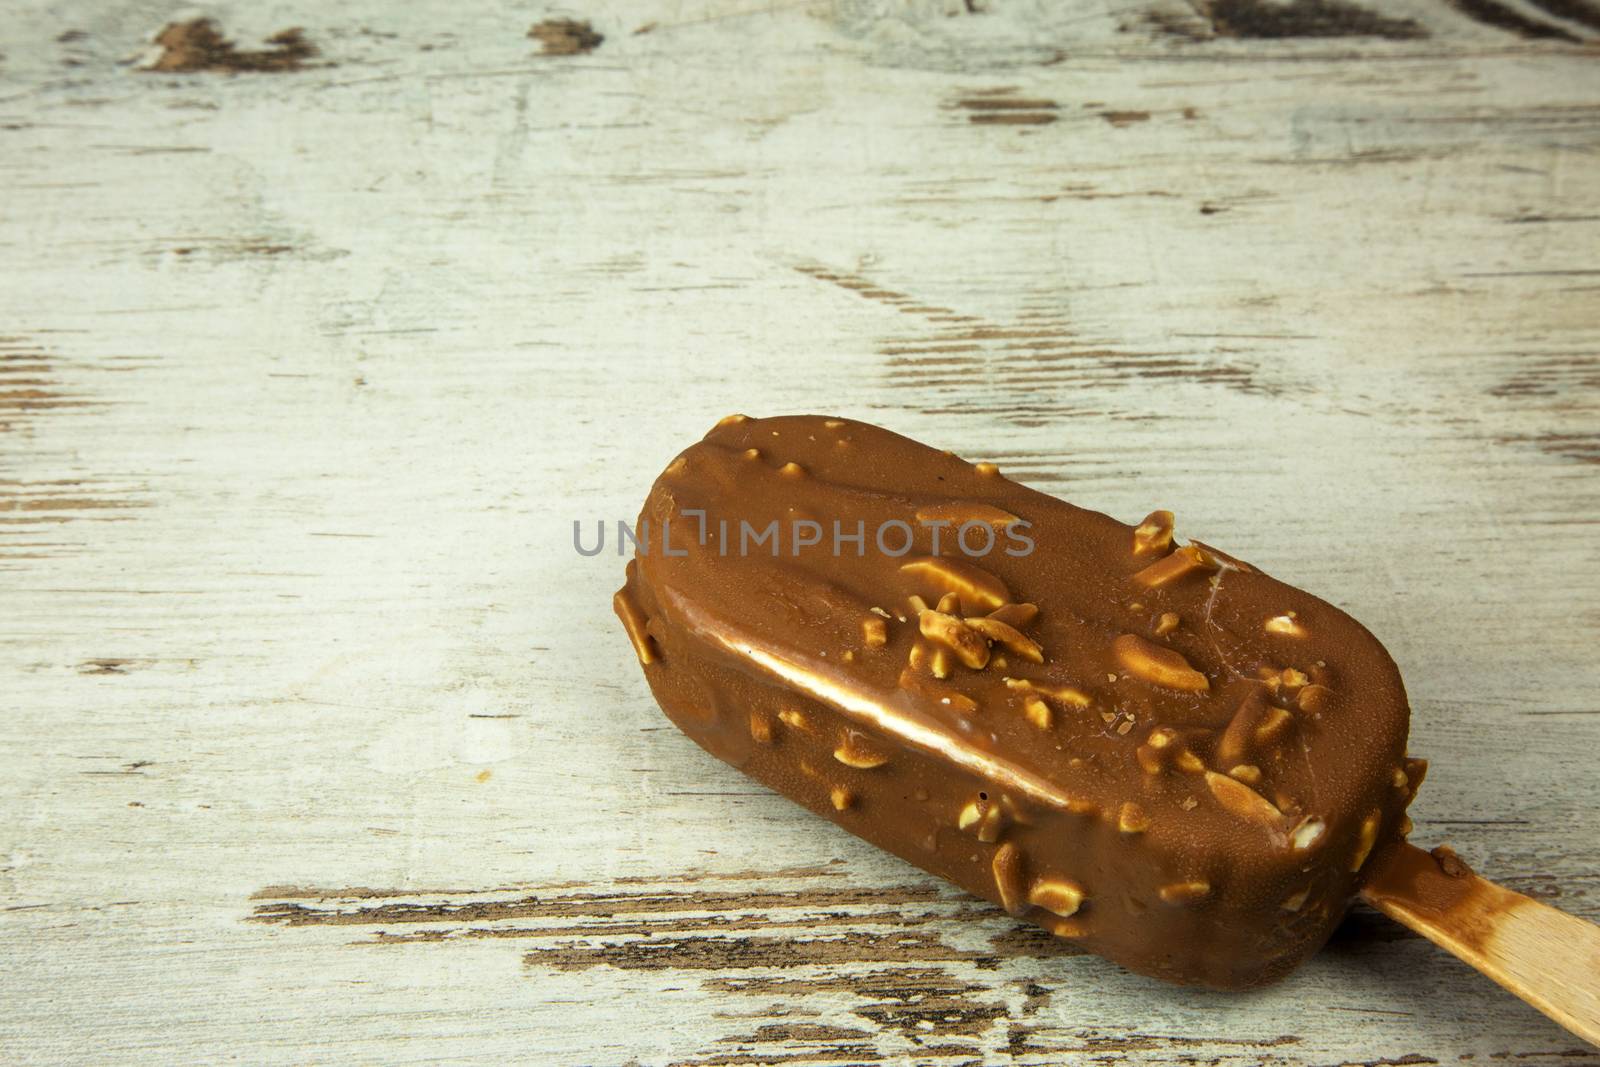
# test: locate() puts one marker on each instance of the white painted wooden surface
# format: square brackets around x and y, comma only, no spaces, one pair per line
[322,745]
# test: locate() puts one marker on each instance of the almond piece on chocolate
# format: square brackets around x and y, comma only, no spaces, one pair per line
[947,630]
[978,589]
[1157,665]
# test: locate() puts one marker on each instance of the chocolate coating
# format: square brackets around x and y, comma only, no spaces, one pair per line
[1149,748]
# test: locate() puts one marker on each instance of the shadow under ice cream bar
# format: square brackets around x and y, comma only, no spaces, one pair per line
[1149,748]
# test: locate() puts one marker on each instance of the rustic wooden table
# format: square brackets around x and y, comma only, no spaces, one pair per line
[321,742]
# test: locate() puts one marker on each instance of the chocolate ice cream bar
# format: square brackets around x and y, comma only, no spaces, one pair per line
[1145,746]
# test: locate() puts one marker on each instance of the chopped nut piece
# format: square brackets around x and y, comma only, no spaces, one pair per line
[988,470]
[751,453]
[1127,725]
[842,798]
[947,630]
[1239,799]
[1188,762]
[918,605]
[1157,665]
[1314,699]
[634,622]
[958,512]
[1184,892]
[978,589]
[950,604]
[760,728]
[880,613]
[1365,839]
[1223,559]
[1189,804]
[1064,695]
[855,751]
[1170,568]
[796,719]
[1015,615]
[1308,833]
[1235,744]
[1009,638]
[874,632]
[1296,901]
[1131,819]
[984,817]
[677,466]
[1162,737]
[731,420]
[1149,759]
[1009,879]
[956,701]
[1293,679]
[1037,712]
[1056,895]
[1154,534]
[1248,773]
[1167,623]
[1400,780]
[1067,928]
[1284,624]
[1274,723]
[1405,826]
[939,663]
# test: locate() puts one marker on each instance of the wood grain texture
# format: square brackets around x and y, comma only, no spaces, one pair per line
[321,742]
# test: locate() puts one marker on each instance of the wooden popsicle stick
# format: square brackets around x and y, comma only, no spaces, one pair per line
[1548,958]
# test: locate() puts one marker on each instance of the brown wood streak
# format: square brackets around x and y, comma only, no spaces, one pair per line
[199,45]
[1504,17]
[30,389]
[1579,11]
[999,107]
[1023,354]
[1303,18]
[788,945]
[1286,19]
[1561,388]
[28,385]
